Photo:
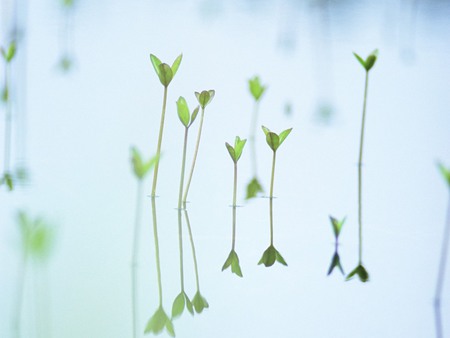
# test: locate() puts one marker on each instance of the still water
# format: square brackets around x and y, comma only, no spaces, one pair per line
[74,129]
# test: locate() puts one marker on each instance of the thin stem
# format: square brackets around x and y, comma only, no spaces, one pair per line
[443,258]
[19,296]
[234,207]
[180,244]
[186,191]
[183,165]
[271,197]
[155,235]
[252,137]
[191,238]
[8,120]
[134,260]
[158,149]
[360,168]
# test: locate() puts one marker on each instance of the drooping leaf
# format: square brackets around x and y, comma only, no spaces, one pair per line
[176,64]
[280,258]
[199,302]
[337,226]
[183,111]
[359,271]
[158,322]
[231,151]
[284,134]
[445,173]
[335,262]
[178,305]
[155,62]
[270,256]
[233,261]
[253,188]
[256,88]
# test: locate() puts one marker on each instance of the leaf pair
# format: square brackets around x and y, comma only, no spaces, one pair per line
[37,235]
[335,262]
[205,97]
[233,261]
[9,53]
[270,256]
[181,301]
[236,151]
[8,180]
[253,188]
[256,88]
[359,271]
[184,114]
[273,140]
[199,302]
[141,168]
[445,173]
[164,71]
[158,322]
[337,226]
[369,61]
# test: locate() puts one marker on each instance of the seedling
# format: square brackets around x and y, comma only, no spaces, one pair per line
[199,302]
[274,141]
[235,153]
[204,98]
[165,74]
[8,55]
[159,320]
[140,169]
[445,171]
[336,261]
[66,42]
[256,90]
[182,300]
[367,64]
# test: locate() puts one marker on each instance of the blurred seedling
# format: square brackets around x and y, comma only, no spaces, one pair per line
[140,169]
[336,261]
[182,300]
[367,64]
[204,98]
[66,40]
[235,153]
[165,74]
[274,141]
[257,90]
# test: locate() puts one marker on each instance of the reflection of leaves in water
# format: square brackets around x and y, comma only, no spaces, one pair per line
[325,113]
[335,262]
[253,188]
[37,236]
[8,180]
[270,256]
[181,301]
[200,303]
[158,322]
[359,271]
[233,261]
[445,173]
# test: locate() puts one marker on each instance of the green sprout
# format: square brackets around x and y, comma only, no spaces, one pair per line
[140,169]
[445,173]
[8,55]
[204,98]
[235,153]
[165,74]
[182,300]
[257,90]
[336,261]
[274,141]
[367,64]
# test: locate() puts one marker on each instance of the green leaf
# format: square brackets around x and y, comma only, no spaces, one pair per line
[270,256]
[194,115]
[205,97]
[273,141]
[183,111]
[256,89]
[155,62]
[140,168]
[231,151]
[280,258]
[178,305]
[158,322]
[199,302]
[335,262]
[233,261]
[9,54]
[238,147]
[359,271]
[8,180]
[284,134]
[37,235]
[189,305]
[360,59]
[253,188]
[370,60]
[165,74]
[337,226]
[176,64]
[265,130]
[445,173]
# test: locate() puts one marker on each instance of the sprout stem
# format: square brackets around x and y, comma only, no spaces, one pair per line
[186,191]
[234,206]
[8,121]
[191,238]
[158,264]
[183,165]
[271,197]
[158,149]
[252,137]
[180,243]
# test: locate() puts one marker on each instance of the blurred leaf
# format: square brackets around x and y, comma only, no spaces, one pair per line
[360,59]
[9,53]
[183,111]
[37,235]
[199,302]
[337,226]
[176,64]
[256,88]
[8,180]
[233,261]
[158,322]
[270,256]
[5,94]
[68,3]
[445,173]
[253,188]
[335,262]
[140,168]
[370,60]
[180,302]
[359,271]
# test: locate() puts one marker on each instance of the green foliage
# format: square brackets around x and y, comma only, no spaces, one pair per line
[270,256]
[199,302]
[370,60]
[233,261]
[236,152]
[10,52]
[68,3]
[164,71]
[337,226]
[359,271]
[273,140]
[5,93]
[335,262]
[445,173]
[141,168]
[205,97]
[183,112]
[256,88]
[37,236]
[253,188]
[158,322]
[181,301]
[8,180]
